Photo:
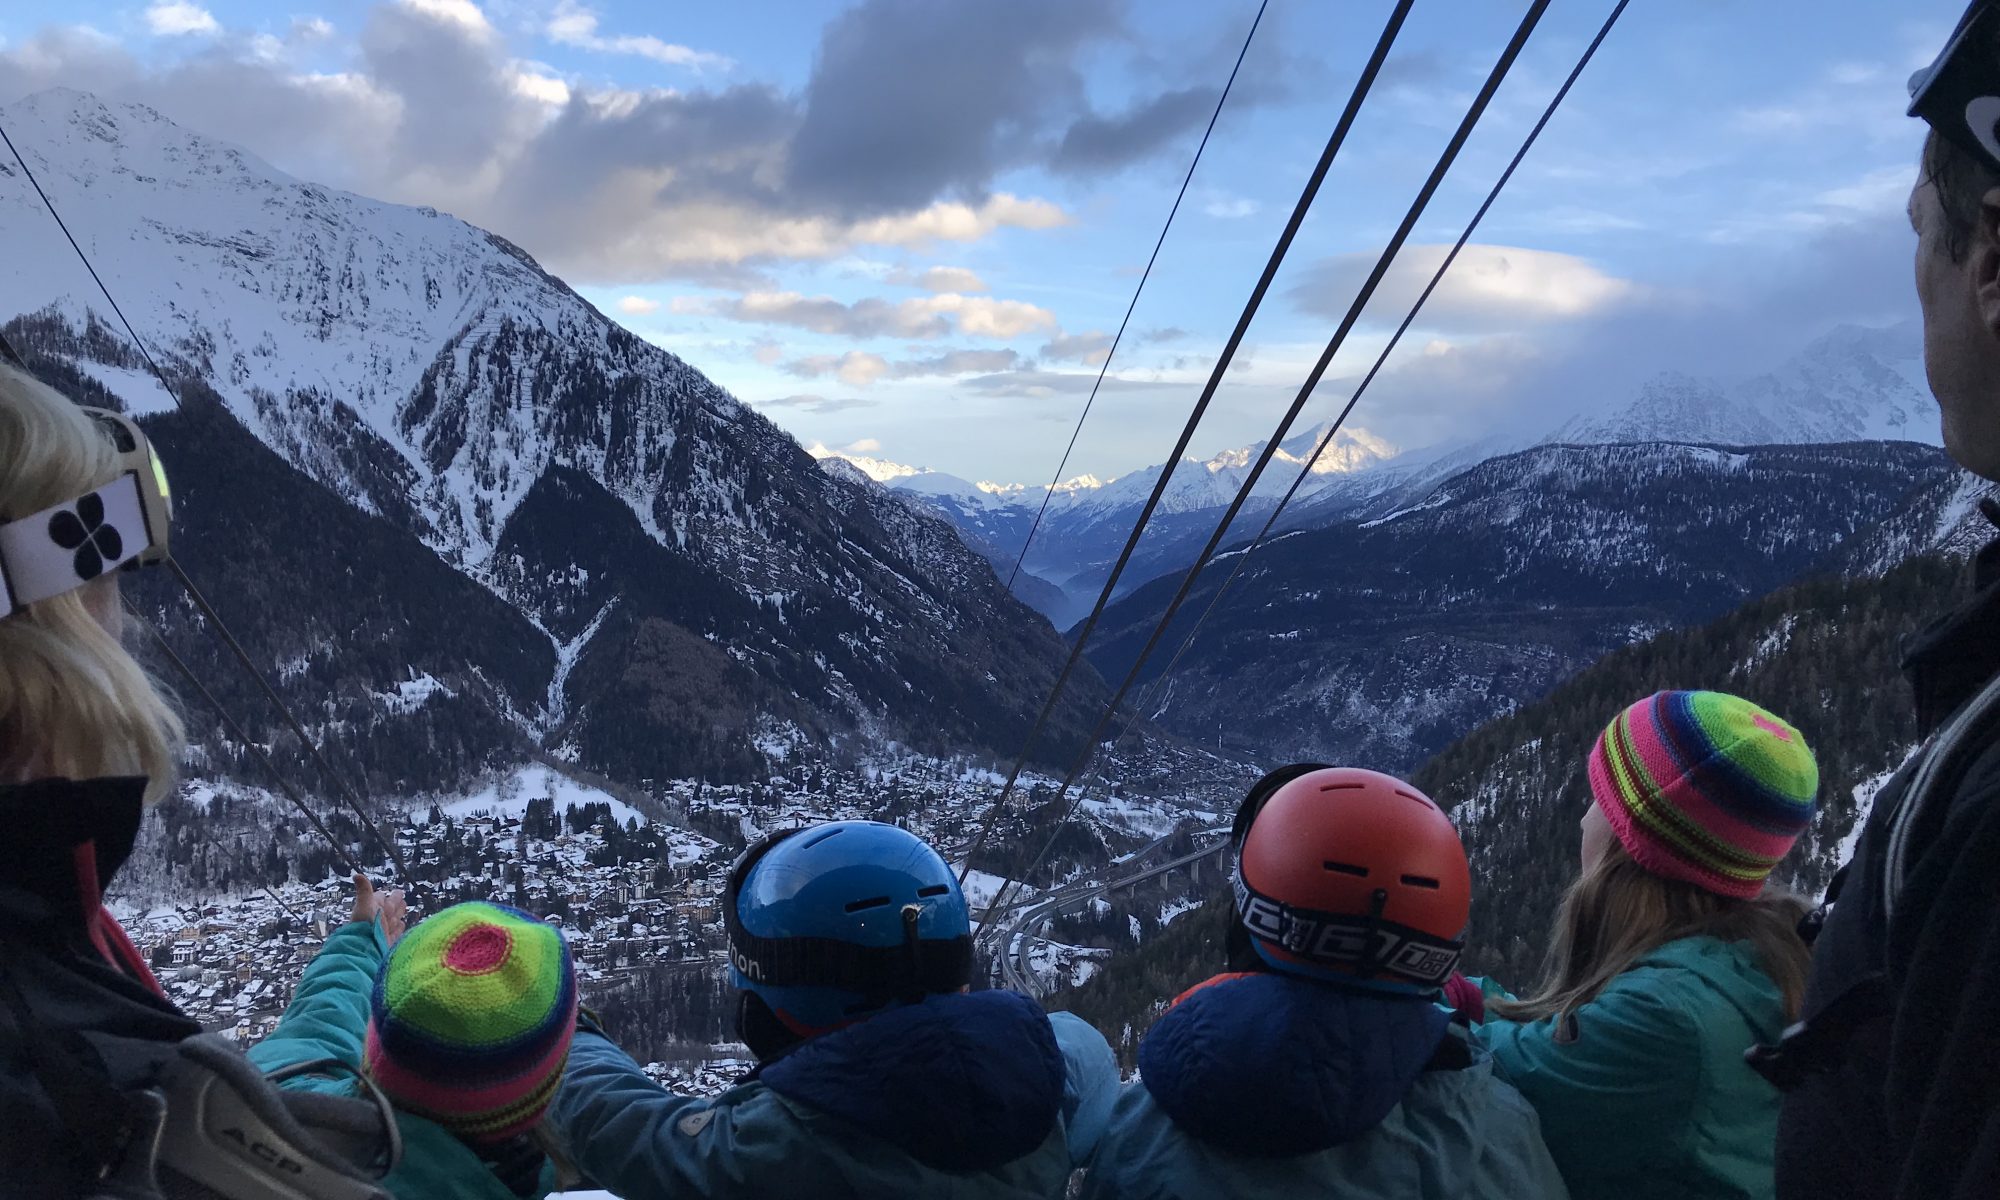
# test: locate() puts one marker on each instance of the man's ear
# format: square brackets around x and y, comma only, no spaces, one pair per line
[1985,261]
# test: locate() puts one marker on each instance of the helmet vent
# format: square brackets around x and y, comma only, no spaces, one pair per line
[816,839]
[1422,881]
[1423,800]
[936,889]
[1343,787]
[1348,869]
[855,906]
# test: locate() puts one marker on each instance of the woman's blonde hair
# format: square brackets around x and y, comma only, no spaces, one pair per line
[1617,912]
[73,702]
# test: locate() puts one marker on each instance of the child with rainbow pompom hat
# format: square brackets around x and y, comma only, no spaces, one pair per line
[1670,957]
[464,1025]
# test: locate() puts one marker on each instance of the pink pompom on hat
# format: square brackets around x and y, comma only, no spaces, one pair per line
[1704,787]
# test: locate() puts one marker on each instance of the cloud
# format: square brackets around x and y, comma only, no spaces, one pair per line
[807,402]
[862,446]
[860,369]
[911,100]
[1169,333]
[1739,316]
[922,317]
[1095,144]
[942,279]
[575,25]
[179,18]
[637,306]
[856,368]
[1092,349]
[311,29]
[603,185]
[1225,207]
[767,351]
[1036,383]
[1488,287]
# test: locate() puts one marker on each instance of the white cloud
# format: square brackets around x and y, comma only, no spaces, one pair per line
[575,25]
[950,279]
[637,306]
[178,18]
[861,369]
[1487,287]
[311,29]
[1092,349]
[856,368]
[921,317]
[1230,208]
[863,446]
[462,13]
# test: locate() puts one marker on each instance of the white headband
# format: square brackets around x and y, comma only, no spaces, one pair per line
[62,548]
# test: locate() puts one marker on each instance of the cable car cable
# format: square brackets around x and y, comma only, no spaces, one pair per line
[1339,136]
[1382,264]
[1138,291]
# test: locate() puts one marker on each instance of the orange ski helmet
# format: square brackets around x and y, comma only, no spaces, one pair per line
[1343,873]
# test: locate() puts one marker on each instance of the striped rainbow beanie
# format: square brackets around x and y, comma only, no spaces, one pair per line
[471,1020]
[1704,787]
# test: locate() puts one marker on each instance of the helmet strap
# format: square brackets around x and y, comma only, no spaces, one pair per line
[1371,953]
[913,969]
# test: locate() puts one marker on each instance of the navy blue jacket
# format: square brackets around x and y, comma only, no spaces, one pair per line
[1265,1085]
[974,1096]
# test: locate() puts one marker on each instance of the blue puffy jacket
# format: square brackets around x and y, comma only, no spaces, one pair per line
[975,1096]
[1265,1085]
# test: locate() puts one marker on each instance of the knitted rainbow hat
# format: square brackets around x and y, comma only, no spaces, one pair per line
[1704,787]
[471,1020]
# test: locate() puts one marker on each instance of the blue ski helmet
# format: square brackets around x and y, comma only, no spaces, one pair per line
[831,923]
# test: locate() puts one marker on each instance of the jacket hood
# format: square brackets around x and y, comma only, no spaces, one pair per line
[958,1082]
[1269,1065]
[1731,972]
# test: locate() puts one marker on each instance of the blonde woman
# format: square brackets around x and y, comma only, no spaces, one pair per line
[1669,958]
[86,743]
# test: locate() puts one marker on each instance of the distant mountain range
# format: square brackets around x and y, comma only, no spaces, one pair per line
[1853,384]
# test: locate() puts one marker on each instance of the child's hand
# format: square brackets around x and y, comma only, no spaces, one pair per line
[387,907]
[1465,998]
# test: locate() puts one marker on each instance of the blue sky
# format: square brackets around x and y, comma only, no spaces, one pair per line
[910,225]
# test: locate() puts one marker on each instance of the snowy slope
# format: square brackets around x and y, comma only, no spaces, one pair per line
[659,534]
[1853,384]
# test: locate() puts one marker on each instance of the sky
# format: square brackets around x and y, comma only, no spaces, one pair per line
[909,228]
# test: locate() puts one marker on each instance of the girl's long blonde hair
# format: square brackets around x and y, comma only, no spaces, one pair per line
[73,702]
[1617,912]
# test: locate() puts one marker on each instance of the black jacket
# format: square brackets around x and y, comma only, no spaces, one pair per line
[1903,1098]
[62,958]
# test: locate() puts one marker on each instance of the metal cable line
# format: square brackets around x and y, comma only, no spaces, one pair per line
[1138,291]
[1382,264]
[1305,470]
[1339,136]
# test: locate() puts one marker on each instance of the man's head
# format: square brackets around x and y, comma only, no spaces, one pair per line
[1955,211]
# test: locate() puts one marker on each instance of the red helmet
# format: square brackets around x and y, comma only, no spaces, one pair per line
[1349,873]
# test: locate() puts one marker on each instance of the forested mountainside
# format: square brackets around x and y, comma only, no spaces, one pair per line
[1823,653]
[1382,640]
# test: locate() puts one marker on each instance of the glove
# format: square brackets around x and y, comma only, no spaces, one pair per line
[1467,1002]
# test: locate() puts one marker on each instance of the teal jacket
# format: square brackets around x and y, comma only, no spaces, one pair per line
[1267,1086]
[328,1018]
[1647,1095]
[970,1096]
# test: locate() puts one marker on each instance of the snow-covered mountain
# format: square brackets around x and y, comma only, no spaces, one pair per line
[693,581]
[1088,518]
[1853,384]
